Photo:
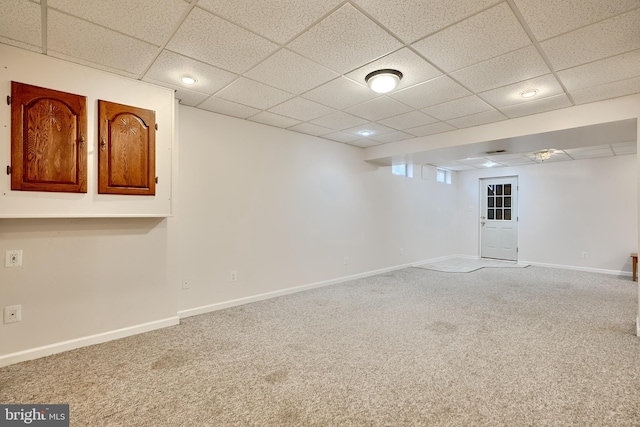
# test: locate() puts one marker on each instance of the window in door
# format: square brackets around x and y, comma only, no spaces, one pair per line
[499,202]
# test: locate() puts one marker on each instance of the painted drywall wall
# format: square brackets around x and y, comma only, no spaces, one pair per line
[284,209]
[565,209]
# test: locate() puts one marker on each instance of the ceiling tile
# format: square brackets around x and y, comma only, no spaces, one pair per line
[590,152]
[391,137]
[222,106]
[551,18]
[375,128]
[475,39]
[339,120]
[345,40]
[622,148]
[436,91]
[169,67]
[520,161]
[186,96]
[97,45]
[364,143]
[414,19]
[510,68]
[215,41]
[302,109]
[477,119]
[152,22]
[457,108]
[254,94]
[537,106]
[408,120]
[91,64]
[341,137]
[379,108]
[597,41]
[310,129]
[606,91]
[510,95]
[272,119]
[431,129]
[351,93]
[291,72]
[414,69]
[20,24]
[276,20]
[608,70]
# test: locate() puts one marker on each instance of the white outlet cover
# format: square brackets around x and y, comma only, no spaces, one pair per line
[13,258]
[12,313]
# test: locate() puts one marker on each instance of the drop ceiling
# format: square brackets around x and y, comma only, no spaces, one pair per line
[300,64]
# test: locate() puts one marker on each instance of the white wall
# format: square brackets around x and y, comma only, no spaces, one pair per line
[284,210]
[565,208]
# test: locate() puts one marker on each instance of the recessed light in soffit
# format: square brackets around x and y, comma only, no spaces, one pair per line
[188,80]
[529,93]
[383,81]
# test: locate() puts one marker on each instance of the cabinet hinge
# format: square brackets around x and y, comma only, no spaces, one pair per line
[156,126]
[8,100]
[156,179]
[8,170]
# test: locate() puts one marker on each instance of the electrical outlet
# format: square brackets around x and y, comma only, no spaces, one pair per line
[12,313]
[401,251]
[585,254]
[13,258]
[185,284]
[233,276]
[346,260]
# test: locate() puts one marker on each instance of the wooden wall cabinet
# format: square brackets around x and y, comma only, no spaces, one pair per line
[126,150]
[48,140]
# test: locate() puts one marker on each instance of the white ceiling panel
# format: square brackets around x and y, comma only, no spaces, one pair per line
[350,93]
[537,106]
[341,137]
[277,20]
[414,69]
[512,67]
[413,19]
[254,94]
[458,108]
[379,108]
[302,109]
[222,106]
[152,22]
[408,120]
[431,129]
[551,18]
[169,67]
[477,119]
[375,128]
[623,148]
[185,96]
[339,120]
[606,91]
[436,91]
[364,143]
[289,71]
[345,40]
[391,137]
[475,39]
[97,44]
[20,24]
[597,41]
[505,96]
[310,129]
[590,154]
[213,40]
[274,119]
[620,67]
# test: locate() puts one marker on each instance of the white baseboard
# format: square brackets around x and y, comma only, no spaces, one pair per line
[47,350]
[573,267]
[246,300]
[638,326]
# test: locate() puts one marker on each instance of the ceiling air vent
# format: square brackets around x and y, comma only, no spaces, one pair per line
[495,152]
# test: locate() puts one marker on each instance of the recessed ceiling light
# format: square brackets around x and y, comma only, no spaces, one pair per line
[188,80]
[383,81]
[365,132]
[529,93]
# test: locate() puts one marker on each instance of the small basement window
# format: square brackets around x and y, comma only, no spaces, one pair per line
[402,170]
[443,175]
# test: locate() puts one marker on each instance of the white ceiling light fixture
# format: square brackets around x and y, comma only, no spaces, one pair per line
[365,133]
[188,80]
[529,93]
[543,155]
[383,81]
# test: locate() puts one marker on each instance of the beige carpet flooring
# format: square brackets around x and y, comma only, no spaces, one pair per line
[496,347]
[467,265]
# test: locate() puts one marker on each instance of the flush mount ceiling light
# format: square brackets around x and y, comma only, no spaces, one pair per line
[188,80]
[529,93]
[543,155]
[365,132]
[383,81]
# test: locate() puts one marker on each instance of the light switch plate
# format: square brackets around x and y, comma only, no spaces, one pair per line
[13,258]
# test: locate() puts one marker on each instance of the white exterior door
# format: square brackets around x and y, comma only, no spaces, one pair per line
[499,218]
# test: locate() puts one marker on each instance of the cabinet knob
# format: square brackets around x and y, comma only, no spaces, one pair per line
[103,144]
